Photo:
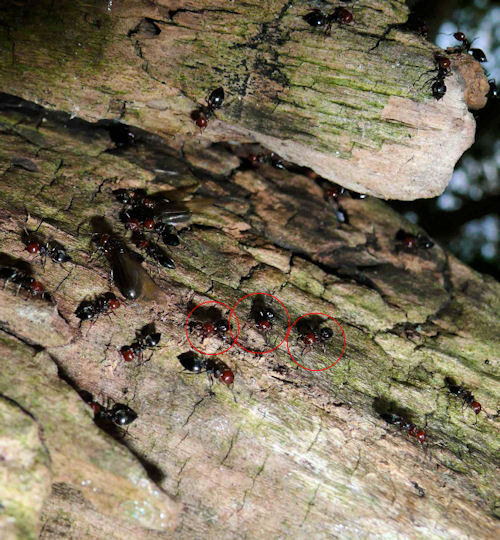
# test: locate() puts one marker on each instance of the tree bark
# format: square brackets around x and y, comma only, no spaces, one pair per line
[300,453]
[362,117]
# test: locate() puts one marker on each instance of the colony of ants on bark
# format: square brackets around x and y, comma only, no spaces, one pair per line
[151,217]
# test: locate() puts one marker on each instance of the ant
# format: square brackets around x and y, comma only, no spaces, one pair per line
[24,281]
[333,194]
[477,54]
[493,91]
[89,310]
[322,336]
[126,270]
[396,416]
[215,369]
[204,112]
[411,242]
[461,392]
[263,319]
[262,315]
[443,65]
[119,414]
[168,234]
[132,196]
[438,87]
[152,250]
[147,338]
[207,329]
[404,425]
[44,248]
[318,19]
[53,250]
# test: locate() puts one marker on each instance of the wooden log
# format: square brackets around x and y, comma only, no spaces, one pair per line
[301,453]
[362,117]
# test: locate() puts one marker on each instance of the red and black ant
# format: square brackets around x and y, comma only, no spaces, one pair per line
[204,112]
[321,336]
[411,242]
[477,54]
[146,339]
[44,248]
[404,425]
[263,317]
[24,281]
[152,250]
[104,304]
[215,369]
[119,414]
[464,394]
[438,87]
[218,328]
[317,19]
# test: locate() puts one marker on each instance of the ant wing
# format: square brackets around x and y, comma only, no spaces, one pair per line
[179,212]
[131,278]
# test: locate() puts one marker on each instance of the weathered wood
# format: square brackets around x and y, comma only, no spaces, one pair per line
[301,454]
[363,118]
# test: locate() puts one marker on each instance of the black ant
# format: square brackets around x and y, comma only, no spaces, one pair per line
[204,112]
[147,338]
[89,310]
[461,392]
[215,369]
[493,91]
[411,242]
[318,19]
[477,54]
[24,281]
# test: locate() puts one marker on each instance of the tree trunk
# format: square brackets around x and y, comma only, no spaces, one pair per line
[295,453]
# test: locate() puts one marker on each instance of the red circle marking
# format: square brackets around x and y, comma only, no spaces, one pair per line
[290,331]
[237,321]
[235,339]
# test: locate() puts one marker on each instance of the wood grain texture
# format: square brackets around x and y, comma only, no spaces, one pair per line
[363,118]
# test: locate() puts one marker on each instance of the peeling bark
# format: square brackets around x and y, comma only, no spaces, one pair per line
[361,116]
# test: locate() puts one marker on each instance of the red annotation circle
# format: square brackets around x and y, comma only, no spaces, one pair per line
[237,322]
[290,331]
[235,339]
